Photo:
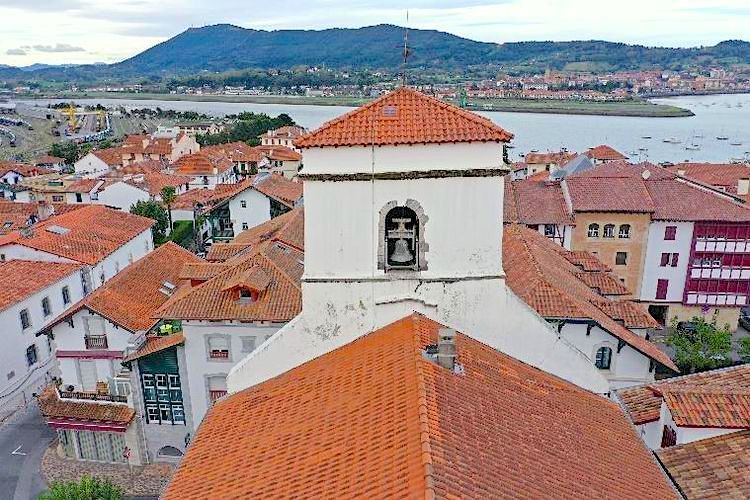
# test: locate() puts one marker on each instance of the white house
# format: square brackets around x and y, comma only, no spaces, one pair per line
[283,136]
[422,232]
[239,207]
[33,293]
[98,162]
[205,171]
[91,340]
[102,239]
[124,192]
[584,300]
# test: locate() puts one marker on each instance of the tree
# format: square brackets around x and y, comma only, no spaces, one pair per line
[699,344]
[65,150]
[88,488]
[168,196]
[153,210]
[744,350]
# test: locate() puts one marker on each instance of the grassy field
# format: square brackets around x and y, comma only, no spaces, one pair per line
[625,108]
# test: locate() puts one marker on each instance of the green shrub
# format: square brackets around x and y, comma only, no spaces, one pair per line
[88,488]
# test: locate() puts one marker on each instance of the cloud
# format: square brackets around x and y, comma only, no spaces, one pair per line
[60,47]
[16,52]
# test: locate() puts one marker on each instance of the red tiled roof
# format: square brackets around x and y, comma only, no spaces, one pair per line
[110,156]
[288,228]
[708,407]
[188,199]
[201,163]
[538,272]
[133,295]
[52,406]
[615,194]
[280,300]
[154,344]
[22,278]
[604,152]
[535,202]
[93,232]
[235,151]
[49,160]
[715,174]
[378,419]
[83,186]
[22,168]
[154,182]
[404,116]
[274,186]
[711,468]
[643,402]
[280,153]
[289,131]
[557,158]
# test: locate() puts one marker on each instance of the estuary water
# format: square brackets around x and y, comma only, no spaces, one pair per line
[690,138]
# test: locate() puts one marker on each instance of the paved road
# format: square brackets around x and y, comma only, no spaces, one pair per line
[24,437]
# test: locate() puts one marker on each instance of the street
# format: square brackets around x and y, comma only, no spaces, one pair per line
[24,437]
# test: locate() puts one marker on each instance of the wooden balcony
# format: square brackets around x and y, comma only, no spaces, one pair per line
[216,395]
[93,396]
[96,341]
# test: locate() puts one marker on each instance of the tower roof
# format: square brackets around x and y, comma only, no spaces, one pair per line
[404,116]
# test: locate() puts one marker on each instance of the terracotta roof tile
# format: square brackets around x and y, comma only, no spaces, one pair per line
[110,156]
[154,182]
[93,233]
[404,116]
[188,199]
[202,163]
[604,152]
[36,277]
[52,406]
[24,169]
[116,300]
[279,153]
[280,300]
[288,132]
[708,407]
[711,468]
[377,419]
[235,151]
[537,271]
[559,158]
[643,402]
[201,271]
[723,175]
[532,201]
[155,343]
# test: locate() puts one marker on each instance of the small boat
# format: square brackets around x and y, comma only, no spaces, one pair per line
[693,147]
[534,151]
[735,143]
[698,136]
[672,140]
[642,149]
[722,138]
[510,146]
[645,137]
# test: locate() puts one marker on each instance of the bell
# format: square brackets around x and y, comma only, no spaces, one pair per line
[401,253]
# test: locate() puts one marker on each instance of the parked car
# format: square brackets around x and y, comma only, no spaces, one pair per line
[687,327]
[745,319]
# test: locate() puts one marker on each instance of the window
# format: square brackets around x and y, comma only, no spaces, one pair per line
[675,259]
[57,198]
[46,306]
[401,238]
[621,258]
[31,355]
[248,344]
[609,231]
[245,226]
[593,230]
[661,289]
[217,387]
[668,437]
[25,319]
[624,231]
[603,358]
[101,446]
[664,260]
[670,233]
[218,348]
[243,203]
[549,230]
[66,295]
[79,198]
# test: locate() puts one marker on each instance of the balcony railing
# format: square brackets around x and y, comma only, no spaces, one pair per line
[219,354]
[96,341]
[216,395]
[93,396]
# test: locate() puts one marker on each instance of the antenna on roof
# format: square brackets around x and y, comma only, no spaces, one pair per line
[405,51]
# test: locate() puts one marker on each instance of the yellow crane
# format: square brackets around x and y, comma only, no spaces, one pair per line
[70,112]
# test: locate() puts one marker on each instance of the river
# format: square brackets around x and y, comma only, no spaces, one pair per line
[715,115]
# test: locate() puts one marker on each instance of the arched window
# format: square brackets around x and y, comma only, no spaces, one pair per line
[603,358]
[401,239]
[593,230]
[609,231]
[624,231]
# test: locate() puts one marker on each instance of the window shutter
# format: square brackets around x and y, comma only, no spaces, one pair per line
[664,260]
[661,289]
[675,258]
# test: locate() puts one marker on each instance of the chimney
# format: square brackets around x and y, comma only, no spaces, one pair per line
[681,173]
[446,355]
[44,210]
[743,186]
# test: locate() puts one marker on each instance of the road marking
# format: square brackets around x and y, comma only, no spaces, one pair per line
[16,452]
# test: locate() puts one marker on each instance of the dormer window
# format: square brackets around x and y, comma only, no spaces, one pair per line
[402,238]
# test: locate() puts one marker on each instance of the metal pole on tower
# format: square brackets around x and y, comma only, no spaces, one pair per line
[406,50]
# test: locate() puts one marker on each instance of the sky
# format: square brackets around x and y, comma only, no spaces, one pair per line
[88,31]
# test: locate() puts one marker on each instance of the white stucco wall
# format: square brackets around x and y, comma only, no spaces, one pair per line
[201,366]
[17,380]
[628,367]
[256,211]
[652,271]
[72,339]
[121,195]
[90,166]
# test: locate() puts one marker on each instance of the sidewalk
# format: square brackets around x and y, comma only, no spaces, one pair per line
[148,480]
